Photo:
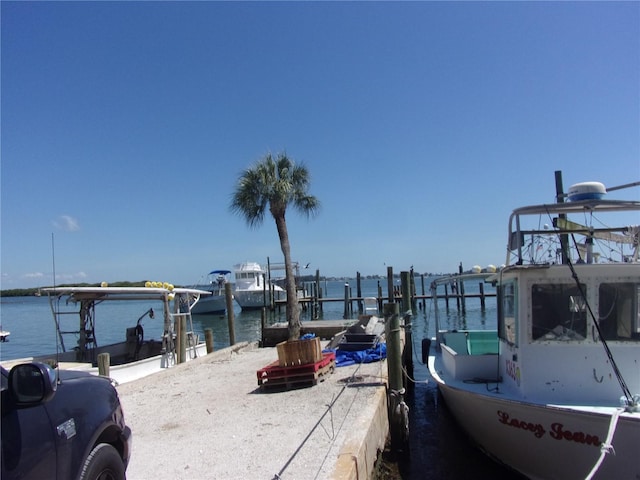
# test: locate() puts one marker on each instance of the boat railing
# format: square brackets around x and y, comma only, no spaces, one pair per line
[545,243]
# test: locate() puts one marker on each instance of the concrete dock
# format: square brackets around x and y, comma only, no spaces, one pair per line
[209,419]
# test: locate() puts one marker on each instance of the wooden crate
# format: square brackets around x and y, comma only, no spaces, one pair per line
[299,352]
[274,377]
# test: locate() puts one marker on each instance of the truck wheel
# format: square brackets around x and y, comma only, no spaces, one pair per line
[103,463]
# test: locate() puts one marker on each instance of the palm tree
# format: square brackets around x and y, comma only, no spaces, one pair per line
[277,183]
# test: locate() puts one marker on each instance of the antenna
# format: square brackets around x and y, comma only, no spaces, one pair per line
[620,187]
[53,259]
[55,314]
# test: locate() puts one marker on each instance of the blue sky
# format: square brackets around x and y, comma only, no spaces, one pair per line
[125,127]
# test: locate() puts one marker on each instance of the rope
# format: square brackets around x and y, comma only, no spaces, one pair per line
[278,475]
[606,447]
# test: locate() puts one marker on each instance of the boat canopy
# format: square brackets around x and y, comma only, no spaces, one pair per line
[120,293]
[219,272]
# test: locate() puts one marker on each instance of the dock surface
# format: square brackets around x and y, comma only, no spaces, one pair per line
[210,419]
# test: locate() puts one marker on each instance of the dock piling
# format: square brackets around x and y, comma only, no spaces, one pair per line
[104,361]
[208,338]
[398,410]
[230,314]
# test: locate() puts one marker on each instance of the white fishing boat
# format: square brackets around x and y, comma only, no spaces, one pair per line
[554,391]
[74,314]
[216,303]
[253,290]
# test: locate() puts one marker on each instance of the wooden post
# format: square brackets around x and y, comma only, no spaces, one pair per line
[230,314]
[379,296]
[319,292]
[398,410]
[405,287]
[412,286]
[481,285]
[423,292]
[391,297]
[208,338]
[346,301]
[359,293]
[446,296]
[394,360]
[407,312]
[176,342]
[104,361]
[182,338]
[263,322]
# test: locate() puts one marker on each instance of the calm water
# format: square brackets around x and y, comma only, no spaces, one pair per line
[439,450]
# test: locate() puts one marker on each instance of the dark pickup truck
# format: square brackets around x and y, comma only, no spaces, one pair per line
[59,424]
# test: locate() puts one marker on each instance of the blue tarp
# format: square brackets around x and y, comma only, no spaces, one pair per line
[375,354]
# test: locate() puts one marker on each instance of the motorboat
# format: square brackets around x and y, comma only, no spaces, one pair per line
[136,356]
[216,303]
[553,391]
[253,290]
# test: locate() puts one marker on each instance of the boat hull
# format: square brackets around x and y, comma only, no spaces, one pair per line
[210,305]
[120,372]
[543,441]
[254,299]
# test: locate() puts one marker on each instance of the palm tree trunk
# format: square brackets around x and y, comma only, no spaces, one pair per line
[293,313]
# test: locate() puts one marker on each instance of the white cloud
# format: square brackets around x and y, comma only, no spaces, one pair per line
[67,223]
[70,277]
[34,275]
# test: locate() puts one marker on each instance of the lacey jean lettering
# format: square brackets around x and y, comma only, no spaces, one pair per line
[557,432]
[537,429]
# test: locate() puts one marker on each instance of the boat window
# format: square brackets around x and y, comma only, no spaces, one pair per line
[619,311]
[508,311]
[558,312]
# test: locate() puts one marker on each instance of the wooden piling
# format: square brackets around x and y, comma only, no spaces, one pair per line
[407,354]
[230,314]
[104,361]
[208,338]
[359,293]
[181,320]
[319,293]
[346,301]
[391,297]
[398,411]
[412,289]
[405,289]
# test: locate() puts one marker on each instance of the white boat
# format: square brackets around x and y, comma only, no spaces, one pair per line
[74,314]
[554,391]
[217,301]
[253,290]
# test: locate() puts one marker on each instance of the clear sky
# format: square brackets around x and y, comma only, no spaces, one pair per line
[126,125]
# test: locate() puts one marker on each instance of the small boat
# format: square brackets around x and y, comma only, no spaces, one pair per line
[4,335]
[136,356]
[253,290]
[216,302]
[554,391]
